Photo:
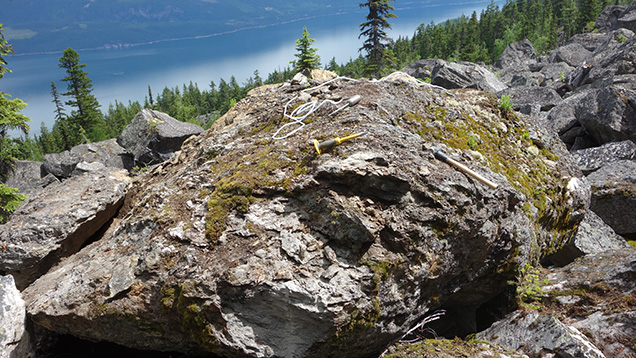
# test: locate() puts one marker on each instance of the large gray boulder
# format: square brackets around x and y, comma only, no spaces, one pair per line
[545,98]
[627,19]
[245,246]
[107,153]
[592,159]
[14,337]
[608,114]
[520,55]
[538,335]
[615,57]
[26,176]
[152,137]
[607,20]
[593,236]
[595,294]
[56,221]
[573,54]
[613,199]
[455,75]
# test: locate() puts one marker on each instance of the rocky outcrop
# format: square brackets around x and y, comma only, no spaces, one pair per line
[14,338]
[27,176]
[455,75]
[596,295]
[538,335]
[588,309]
[593,236]
[613,199]
[55,222]
[153,137]
[592,159]
[89,157]
[243,245]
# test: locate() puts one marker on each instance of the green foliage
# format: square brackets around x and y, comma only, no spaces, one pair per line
[10,117]
[621,38]
[377,40]
[10,198]
[307,58]
[505,104]
[529,286]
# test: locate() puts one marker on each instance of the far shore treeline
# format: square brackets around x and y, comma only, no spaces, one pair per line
[476,38]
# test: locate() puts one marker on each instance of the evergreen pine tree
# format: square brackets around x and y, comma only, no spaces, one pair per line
[374,30]
[307,58]
[79,91]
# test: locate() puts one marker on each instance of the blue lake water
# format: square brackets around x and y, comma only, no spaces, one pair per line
[125,73]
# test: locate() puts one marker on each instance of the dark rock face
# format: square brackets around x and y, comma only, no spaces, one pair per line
[545,333]
[592,159]
[613,199]
[545,98]
[26,176]
[455,75]
[247,246]
[519,54]
[54,223]
[608,114]
[91,157]
[599,288]
[593,236]
[152,137]
[573,54]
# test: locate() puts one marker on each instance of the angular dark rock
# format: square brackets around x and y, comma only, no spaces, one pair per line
[248,246]
[590,40]
[592,159]
[537,334]
[596,294]
[26,176]
[627,19]
[455,75]
[518,55]
[55,222]
[593,236]
[107,152]
[546,98]
[608,114]
[608,18]
[152,137]
[614,57]
[613,199]
[572,54]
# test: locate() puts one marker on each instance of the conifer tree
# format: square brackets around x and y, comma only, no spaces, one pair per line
[79,91]
[307,58]
[10,118]
[374,30]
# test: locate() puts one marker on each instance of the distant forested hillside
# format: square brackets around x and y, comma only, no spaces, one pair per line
[53,25]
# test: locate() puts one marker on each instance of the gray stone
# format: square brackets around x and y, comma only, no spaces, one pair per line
[572,54]
[613,199]
[518,54]
[590,40]
[627,19]
[592,159]
[26,176]
[14,337]
[608,19]
[520,96]
[107,152]
[465,75]
[593,236]
[244,246]
[538,334]
[608,114]
[152,137]
[562,118]
[56,221]
[601,292]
